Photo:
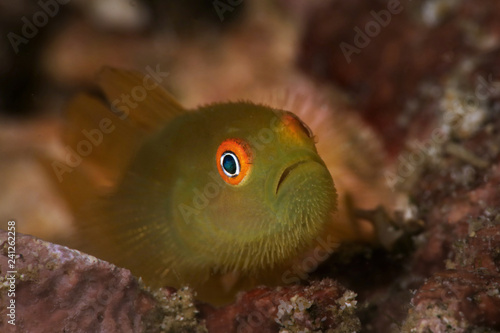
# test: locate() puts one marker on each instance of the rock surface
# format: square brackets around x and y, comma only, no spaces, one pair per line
[62,290]
[58,289]
[324,306]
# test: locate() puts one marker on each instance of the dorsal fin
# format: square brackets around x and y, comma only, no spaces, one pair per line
[99,141]
[138,97]
[113,141]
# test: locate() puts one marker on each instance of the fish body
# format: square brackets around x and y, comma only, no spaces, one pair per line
[220,197]
[175,202]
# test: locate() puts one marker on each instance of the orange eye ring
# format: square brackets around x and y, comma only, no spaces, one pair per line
[234,160]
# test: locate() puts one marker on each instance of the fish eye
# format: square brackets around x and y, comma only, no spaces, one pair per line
[234,160]
[230,164]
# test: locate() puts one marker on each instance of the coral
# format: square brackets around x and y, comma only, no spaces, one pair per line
[179,310]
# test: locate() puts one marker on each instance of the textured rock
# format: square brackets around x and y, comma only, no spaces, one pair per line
[429,82]
[399,69]
[63,290]
[324,306]
[468,292]
[465,297]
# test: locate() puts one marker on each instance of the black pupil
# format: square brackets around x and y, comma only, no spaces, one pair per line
[229,164]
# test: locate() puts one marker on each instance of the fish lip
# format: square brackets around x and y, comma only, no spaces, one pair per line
[286,172]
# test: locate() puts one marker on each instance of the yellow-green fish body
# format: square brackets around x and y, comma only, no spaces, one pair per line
[174,201]
[219,198]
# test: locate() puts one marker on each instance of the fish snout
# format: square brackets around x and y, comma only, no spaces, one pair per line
[297,169]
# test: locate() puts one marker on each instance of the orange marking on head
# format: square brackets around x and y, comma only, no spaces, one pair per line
[296,125]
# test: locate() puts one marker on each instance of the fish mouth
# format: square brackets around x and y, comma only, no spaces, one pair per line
[286,172]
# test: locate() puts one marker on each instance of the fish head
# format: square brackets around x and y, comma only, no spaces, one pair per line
[257,185]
